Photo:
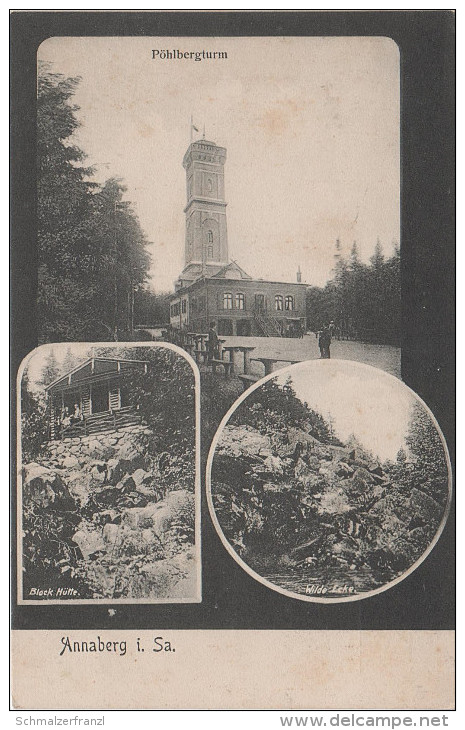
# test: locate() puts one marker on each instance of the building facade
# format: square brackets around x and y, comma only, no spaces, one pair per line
[213,289]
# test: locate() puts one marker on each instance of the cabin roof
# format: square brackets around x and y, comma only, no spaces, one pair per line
[93,367]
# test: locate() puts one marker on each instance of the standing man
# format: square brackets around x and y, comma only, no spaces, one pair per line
[213,345]
[324,343]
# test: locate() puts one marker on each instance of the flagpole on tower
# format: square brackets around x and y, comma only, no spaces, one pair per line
[193,128]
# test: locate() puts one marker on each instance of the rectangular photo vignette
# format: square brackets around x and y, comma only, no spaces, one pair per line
[108,482]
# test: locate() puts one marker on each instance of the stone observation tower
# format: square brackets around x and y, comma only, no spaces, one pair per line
[211,288]
[206,244]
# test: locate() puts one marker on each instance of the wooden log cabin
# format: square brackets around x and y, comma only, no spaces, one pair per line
[92,398]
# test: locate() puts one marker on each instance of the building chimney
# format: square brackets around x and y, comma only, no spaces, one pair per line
[299,276]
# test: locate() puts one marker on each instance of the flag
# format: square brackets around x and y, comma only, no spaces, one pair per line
[193,127]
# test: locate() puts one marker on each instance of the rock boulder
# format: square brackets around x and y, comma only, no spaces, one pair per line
[44,487]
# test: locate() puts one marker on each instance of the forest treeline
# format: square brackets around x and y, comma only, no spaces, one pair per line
[92,252]
[363,300]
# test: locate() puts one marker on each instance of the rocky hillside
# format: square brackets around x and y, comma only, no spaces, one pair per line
[101,519]
[289,503]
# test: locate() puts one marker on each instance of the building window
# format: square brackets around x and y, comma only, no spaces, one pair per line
[184,306]
[209,185]
[202,304]
[278,302]
[227,301]
[289,303]
[210,236]
[210,252]
[240,302]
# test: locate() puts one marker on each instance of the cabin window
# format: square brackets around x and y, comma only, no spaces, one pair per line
[227,300]
[240,301]
[278,302]
[289,303]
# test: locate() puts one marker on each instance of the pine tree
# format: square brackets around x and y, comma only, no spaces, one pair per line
[354,260]
[50,370]
[69,362]
[427,455]
[377,260]
[121,259]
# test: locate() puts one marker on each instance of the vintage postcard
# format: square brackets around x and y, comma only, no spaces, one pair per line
[234,360]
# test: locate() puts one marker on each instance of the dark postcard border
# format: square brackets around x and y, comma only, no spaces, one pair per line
[231,598]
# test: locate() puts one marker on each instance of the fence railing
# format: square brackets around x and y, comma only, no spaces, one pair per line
[98,422]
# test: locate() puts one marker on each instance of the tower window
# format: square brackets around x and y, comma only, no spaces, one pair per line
[278,302]
[209,185]
[184,306]
[210,252]
[210,236]
[289,303]
[227,300]
[240,301]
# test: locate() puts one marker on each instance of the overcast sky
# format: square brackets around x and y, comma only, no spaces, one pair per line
[311,127]
[369,403]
